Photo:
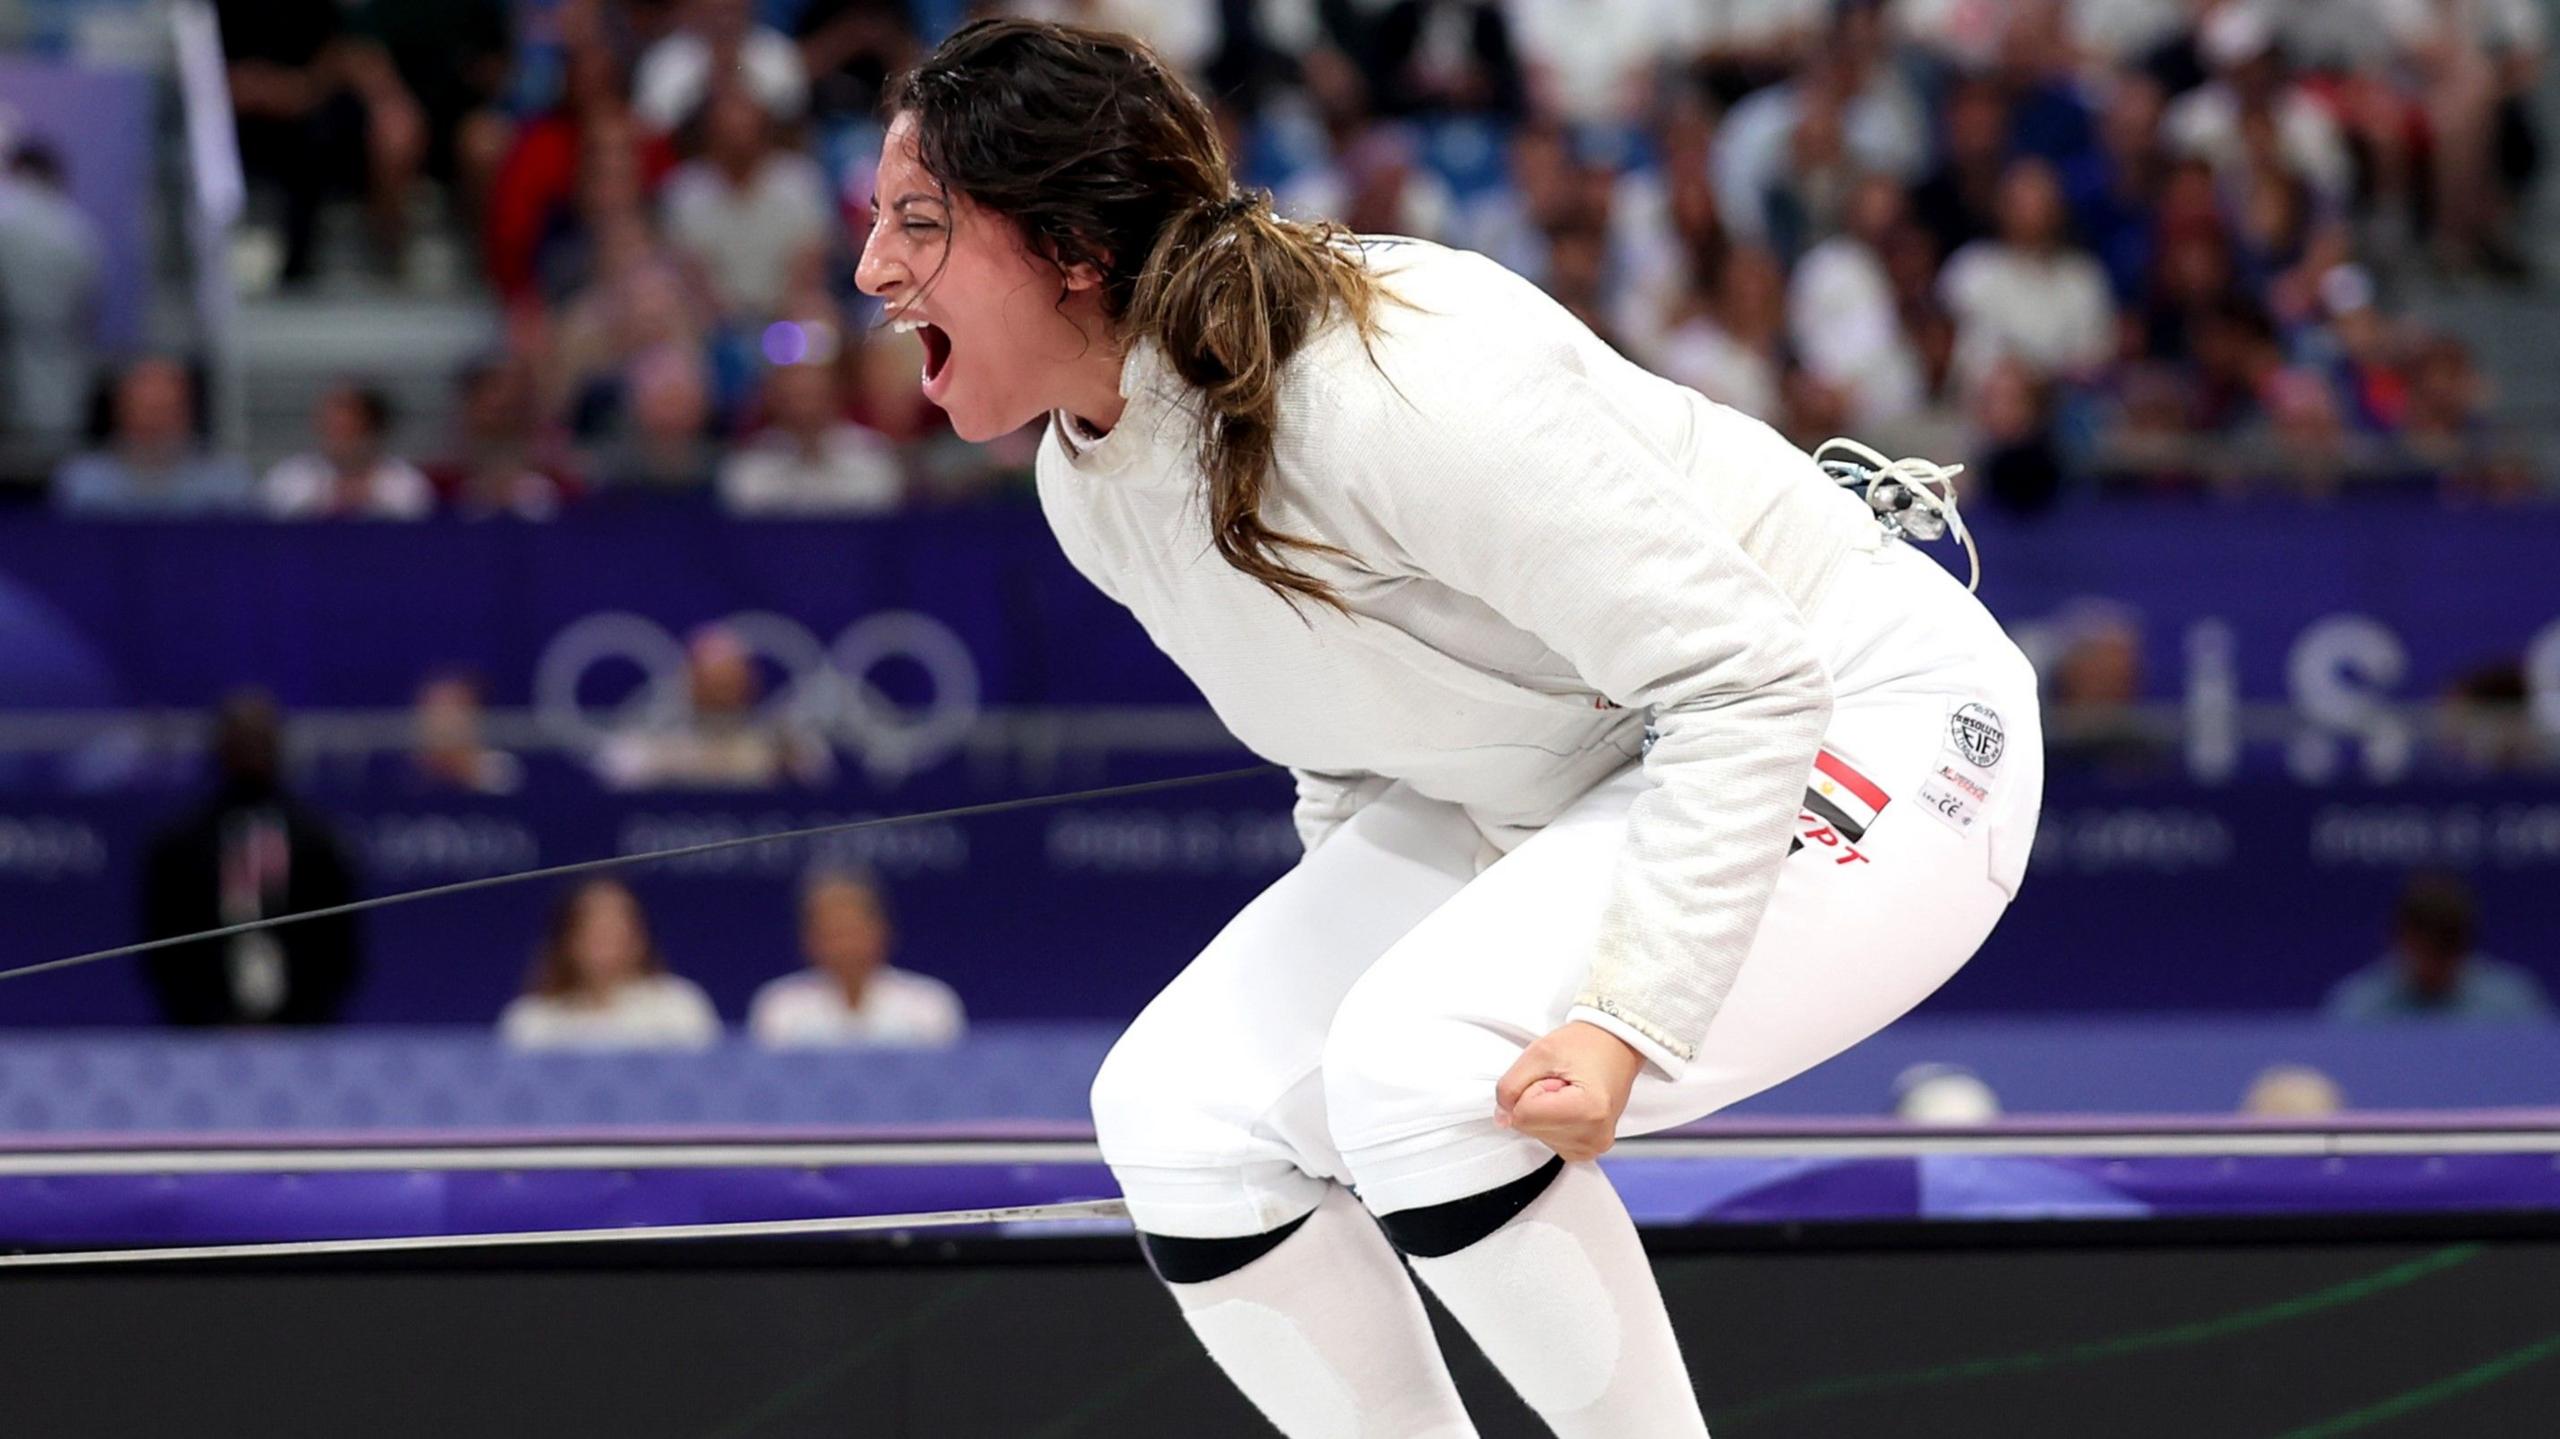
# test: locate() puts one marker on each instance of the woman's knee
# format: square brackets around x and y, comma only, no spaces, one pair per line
[1137,1097]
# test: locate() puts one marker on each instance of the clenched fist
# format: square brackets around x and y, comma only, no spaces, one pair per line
[1568,1089]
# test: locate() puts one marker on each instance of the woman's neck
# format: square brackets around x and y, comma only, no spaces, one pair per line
[1091,392]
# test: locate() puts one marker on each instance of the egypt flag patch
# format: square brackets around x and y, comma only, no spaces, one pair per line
[1840,805]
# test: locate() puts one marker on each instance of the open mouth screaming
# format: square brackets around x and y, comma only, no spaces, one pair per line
[937,350]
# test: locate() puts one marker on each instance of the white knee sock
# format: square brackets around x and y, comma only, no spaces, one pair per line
[1564,1303]
[1327,1336]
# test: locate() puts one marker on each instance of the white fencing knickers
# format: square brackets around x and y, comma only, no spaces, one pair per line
[1350,1023]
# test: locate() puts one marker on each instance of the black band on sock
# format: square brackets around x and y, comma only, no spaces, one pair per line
[1197,1261]
[1438,1229]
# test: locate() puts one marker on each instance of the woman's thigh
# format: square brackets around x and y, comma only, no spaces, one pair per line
[1875,908]
[1220,1067]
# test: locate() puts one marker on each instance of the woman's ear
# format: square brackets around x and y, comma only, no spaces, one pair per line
[1082,275]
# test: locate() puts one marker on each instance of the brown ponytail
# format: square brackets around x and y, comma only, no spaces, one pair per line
[1084,139]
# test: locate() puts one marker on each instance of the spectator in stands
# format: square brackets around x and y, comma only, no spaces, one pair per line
[583,165]
[451,754]
[504,460]
[1579,278]
[2030,295]
[453,57]
[600,983]
[850,48]
[51,259]
[722,740]
[2095,665]
[1444,57]
[2486,725]
[2447,432]
[2252,86]
[716,41]
[321,110]
[1511,222]
[348,474]
[2114,184]
[811,460]
[2292,1091]
[251,850]
[1959,200]
[850,994]
[151,466]
[755,218]
[2050,112]
[1725,342]
[1777,186]
[2363,351]
[664,449]
[1376,185]
[2194,276]
[1937,426]
[2014,458]
[2433,971]
[2474,67]
[1845,319]
[2307,448]
[638,308]
[1594,65]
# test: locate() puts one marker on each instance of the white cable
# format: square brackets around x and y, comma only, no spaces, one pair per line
[1931,486]
[418,1243]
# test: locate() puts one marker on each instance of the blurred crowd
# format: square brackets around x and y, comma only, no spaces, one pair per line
[2149,245]
[253,848]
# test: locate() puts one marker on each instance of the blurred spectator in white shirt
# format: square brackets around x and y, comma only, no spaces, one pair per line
[1867,118]
[1726,343]
[50,262]
[850,994]
[600,983]
[2250,77]
[347,475]
[1592,62]
[2122,31]
[662,447]
[724,737]
[2029,295]
[151,466]
[753,216]
[1843,316]
[719,41]
[811,460]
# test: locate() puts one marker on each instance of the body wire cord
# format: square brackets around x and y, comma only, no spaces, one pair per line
[618,861]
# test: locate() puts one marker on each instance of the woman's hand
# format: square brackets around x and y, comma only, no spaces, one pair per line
[1568,1089]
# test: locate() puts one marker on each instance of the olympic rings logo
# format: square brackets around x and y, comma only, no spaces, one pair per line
[827,689]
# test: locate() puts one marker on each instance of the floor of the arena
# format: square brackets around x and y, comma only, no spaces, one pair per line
[2072,1278]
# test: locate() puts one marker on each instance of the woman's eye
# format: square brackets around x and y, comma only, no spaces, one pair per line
[919,227]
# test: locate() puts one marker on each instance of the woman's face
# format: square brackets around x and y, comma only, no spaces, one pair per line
[605,945]
[998,322]
[844,932]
